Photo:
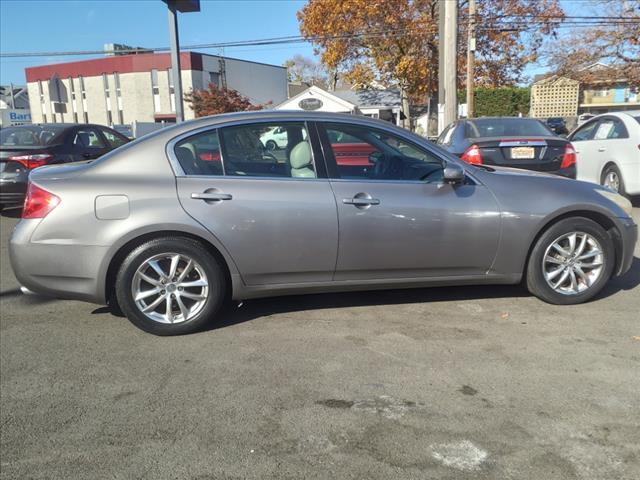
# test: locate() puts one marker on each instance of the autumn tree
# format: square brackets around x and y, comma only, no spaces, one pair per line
[395,42]
[215,100]
[306,70]
[391,41]
[614,41]
[509,36]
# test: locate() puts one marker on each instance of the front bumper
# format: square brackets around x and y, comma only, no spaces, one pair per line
[60,270]
[625,237]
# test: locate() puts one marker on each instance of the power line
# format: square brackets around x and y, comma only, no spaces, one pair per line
[496,25]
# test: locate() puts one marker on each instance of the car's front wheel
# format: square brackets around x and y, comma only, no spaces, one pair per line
[170,286]
[571,262]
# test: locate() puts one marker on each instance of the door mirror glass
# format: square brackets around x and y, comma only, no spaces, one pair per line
[453,173]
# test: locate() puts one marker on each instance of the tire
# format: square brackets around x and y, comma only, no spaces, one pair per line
[192,304]
[583,288]
[271,145]
[611,174]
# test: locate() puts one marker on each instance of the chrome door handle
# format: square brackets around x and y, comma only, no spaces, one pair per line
[211,196]
[360,201]
[602,149]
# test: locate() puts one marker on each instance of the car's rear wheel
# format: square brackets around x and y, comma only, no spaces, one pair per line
[271,145]
[571,262]
[612,178]
[170,286]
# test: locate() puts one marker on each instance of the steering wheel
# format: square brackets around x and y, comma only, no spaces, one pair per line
[270,156]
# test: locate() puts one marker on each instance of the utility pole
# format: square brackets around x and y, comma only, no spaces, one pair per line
[13,98]
[471,59]
[441,10]
[175,6]
[450,61]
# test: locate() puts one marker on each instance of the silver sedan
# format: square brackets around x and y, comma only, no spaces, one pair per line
[168,227]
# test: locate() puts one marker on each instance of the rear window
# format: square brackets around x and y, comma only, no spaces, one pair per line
[509,127]
[30,136]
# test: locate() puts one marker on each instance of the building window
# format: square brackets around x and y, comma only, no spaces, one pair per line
[83,93]
[74,105]
[214,77]
[116,81]
[107,99]
[172,93]
[155,90]
[603,92]
[43,103]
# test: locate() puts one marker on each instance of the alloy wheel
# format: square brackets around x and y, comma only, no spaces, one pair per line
[612,181]
[573,263]
[170,288]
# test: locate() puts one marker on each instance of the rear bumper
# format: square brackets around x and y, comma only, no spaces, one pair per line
[627,233]
[12,193]
[58,270]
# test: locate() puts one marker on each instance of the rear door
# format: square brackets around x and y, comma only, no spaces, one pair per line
[273,211]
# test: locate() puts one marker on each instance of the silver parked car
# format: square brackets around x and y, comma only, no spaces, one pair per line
[168,226]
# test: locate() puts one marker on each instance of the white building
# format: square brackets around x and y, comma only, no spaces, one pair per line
[382,104]
[14,105]
[122,89]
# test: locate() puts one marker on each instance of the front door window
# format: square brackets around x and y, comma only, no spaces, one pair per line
[362,153]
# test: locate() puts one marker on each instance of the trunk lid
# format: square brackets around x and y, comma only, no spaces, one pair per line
[541,154]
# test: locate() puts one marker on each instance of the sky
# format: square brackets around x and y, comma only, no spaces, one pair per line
[72,25]
[87,25]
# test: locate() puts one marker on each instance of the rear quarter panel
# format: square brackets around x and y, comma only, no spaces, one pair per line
[144,177]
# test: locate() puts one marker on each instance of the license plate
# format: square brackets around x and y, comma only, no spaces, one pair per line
[522,152]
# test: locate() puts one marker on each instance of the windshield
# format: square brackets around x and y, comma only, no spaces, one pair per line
[30,136]
[509,127]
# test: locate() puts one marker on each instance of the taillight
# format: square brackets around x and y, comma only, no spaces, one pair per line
[472,155]
[38,202]
[32,161]
[569,157]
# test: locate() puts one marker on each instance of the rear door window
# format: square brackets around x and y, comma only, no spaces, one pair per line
[114,139]
[87,138]
[241,151]
[245,151]
[610,129]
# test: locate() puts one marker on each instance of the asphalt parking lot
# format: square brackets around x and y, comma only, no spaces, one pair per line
[447,383]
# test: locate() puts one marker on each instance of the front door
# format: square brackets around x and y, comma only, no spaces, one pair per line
[397,219]
[273,211]
[588,158]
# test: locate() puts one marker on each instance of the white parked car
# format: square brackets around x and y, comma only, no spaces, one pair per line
[608,151]
[274,138]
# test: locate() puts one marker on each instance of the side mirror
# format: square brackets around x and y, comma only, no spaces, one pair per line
[453,174]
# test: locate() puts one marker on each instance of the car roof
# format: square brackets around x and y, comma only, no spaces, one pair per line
[621,113]
[276,115]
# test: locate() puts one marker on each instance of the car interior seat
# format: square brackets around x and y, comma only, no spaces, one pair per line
[187,159]
[301,161]
[84,139]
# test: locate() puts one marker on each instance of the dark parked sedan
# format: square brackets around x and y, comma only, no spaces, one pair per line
[27,147]
[510,142]
[557,125]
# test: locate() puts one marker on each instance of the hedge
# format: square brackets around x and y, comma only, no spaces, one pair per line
[498,102]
